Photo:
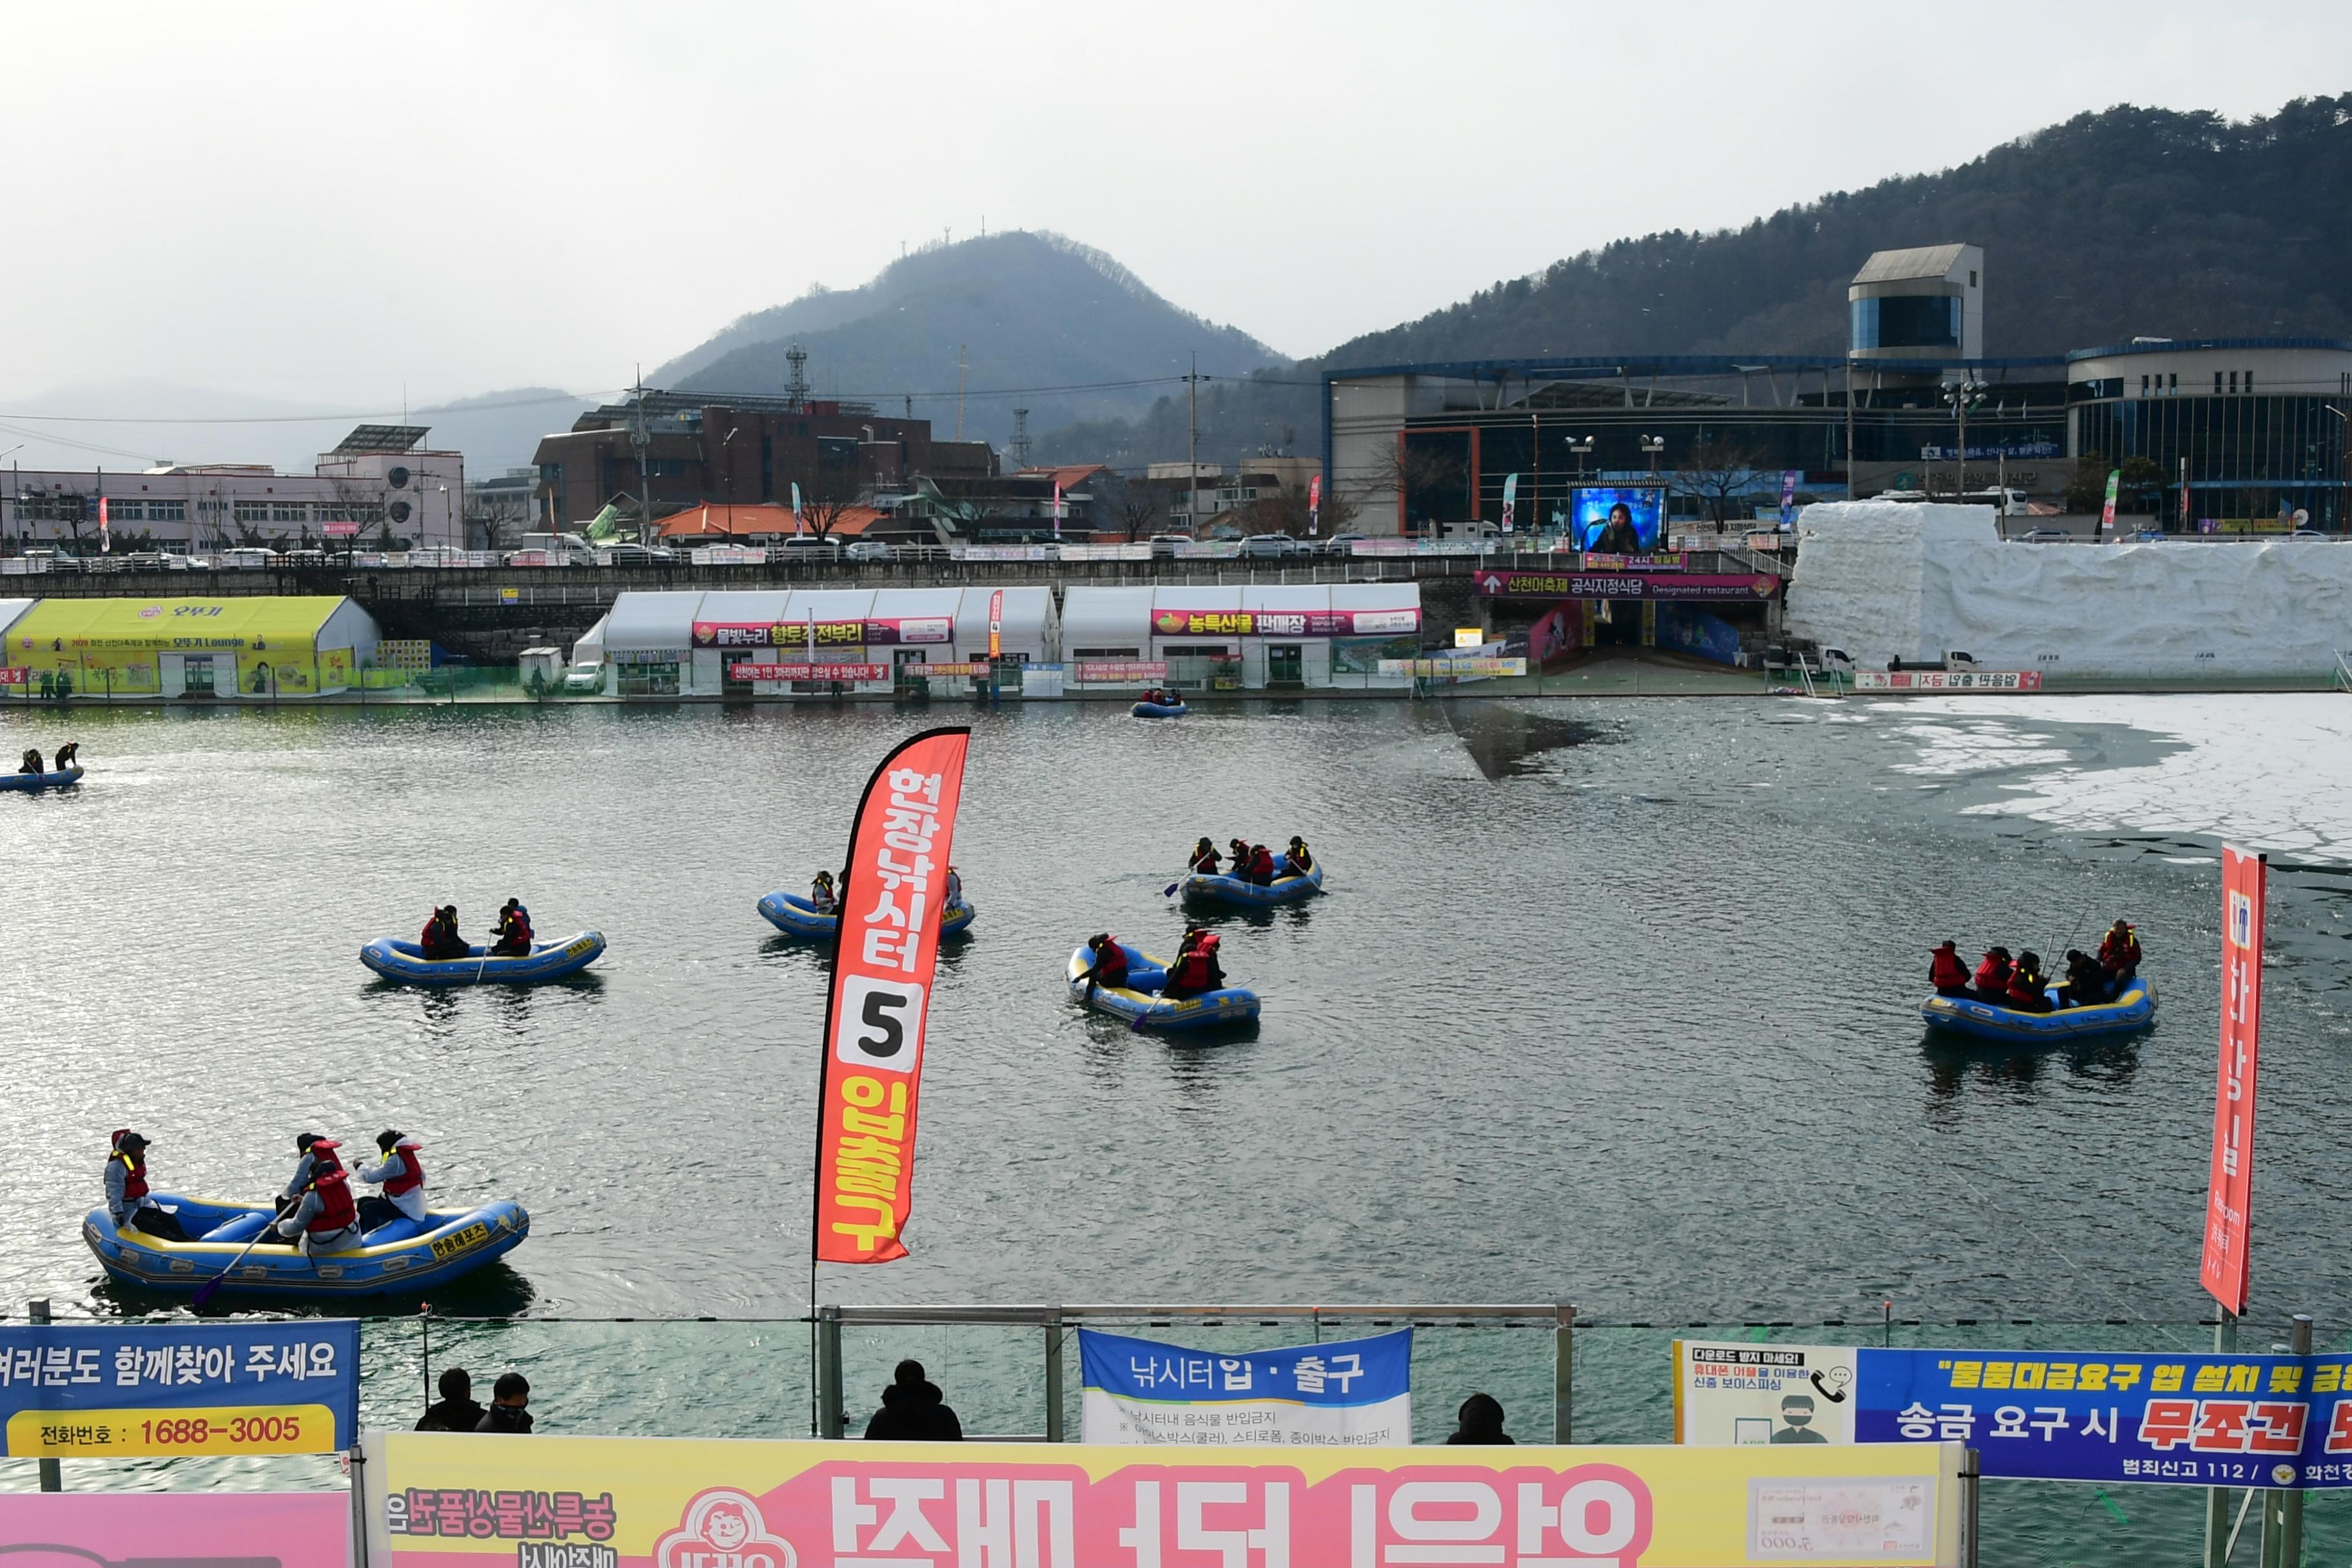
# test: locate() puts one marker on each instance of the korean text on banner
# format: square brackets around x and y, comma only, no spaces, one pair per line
[1314,504]
[443,1500]
[294,1529]
[117,1391]
[2094,1415]
[875,1015]
[1345,1394]
[2229,1184]
[996,624]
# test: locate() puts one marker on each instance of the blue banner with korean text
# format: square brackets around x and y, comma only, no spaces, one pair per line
[124,1389]
[1344,1393]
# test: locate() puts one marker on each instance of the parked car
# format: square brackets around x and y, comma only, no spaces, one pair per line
[147,561]
[1165,546]
[635,555]
[809,546]
[1341,543]
[303,558]
[585,677]
[2047,536]
[1269,546]
[869,550]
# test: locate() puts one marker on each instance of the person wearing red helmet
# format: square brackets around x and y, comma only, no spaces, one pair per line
[317,1212]
[1196,970]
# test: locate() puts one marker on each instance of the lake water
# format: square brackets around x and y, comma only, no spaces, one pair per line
[1606,1001]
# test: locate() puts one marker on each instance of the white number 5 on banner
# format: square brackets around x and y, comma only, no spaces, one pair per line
[879,1022]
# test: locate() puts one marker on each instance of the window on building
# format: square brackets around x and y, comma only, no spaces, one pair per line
[253,512]
[2233,382]
[2249,383]
[289,512]
[2176,380]
[2217,384]
[119,512]
[2143,387]
[666,467]
[167,512]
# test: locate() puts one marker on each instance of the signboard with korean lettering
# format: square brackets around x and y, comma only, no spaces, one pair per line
[1929,681]
[747,671]
[1345,1393]
[2230,1177]
[891,895]
[444,1500]
[121,1390]
[1178,621]
[1629,584]
[2091,1415]
[177,1530]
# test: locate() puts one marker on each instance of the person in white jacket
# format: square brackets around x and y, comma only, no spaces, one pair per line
[401,1177]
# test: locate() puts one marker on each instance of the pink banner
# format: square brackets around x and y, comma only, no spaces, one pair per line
[808,672]
[2229,1180]
[889,631]
[293,1530]
[13,675]
[1115,670]
[1177,623]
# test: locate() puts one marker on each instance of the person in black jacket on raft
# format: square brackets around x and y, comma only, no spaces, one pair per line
[1108,966]
[1196,970]
[913,1411]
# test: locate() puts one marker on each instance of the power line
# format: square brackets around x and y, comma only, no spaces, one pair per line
[337,416]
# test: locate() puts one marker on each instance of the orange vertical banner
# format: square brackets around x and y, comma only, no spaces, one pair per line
[884,956]
[2230,1186]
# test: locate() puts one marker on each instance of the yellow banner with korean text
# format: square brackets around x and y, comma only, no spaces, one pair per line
[886,949]
[443,1500]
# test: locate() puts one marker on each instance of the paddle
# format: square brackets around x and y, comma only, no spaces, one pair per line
[211,1287]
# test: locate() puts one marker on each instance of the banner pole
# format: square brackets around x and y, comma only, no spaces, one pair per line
[2217,1533]
[2291,1500]
[52,1473]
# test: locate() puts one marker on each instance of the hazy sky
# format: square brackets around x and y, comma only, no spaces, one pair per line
[324,204]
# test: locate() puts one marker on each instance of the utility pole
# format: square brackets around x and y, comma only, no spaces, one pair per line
[1849,426]
[1192,438]
[645,470]
[959,392]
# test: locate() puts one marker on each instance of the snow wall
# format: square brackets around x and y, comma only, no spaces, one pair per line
[1915,581]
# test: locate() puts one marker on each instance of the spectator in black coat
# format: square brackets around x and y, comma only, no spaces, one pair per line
[456,1410]
[1479,1421]
[509,1412]
[913,1411]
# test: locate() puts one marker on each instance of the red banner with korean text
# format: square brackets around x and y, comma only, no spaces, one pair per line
[884,956]
[2229,1184]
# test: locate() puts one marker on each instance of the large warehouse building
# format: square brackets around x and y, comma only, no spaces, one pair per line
[2249,430]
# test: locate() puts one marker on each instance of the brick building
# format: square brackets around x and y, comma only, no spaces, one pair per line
[740,450]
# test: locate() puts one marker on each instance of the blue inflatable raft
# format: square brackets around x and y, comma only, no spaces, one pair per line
[1196,887]
[400,1257]
[2135,1010]
[405,962]
[33,783]
[1160,709]
[795,916]
[1139,999]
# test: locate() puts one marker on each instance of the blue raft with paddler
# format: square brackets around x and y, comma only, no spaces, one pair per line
[440,956]
[818,917]
[33,775]
[1187,997]
[320,1244]
[1256,878]
[1160,703]
[2012,1001]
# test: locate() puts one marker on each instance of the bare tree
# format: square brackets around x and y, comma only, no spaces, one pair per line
[1284,510]
[828,499]
[1131,505]
[502,519]
[1715,472]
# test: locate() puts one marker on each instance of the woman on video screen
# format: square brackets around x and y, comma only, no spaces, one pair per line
[1618,535]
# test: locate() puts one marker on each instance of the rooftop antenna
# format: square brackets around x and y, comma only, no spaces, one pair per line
[797,387]
[1021,436]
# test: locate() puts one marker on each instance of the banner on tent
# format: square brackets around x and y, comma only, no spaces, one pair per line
[181,1530]
[453,1502]
[1348,1393]
[809,671]
[116,1391]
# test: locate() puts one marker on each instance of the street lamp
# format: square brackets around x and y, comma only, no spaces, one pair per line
[1651,447]
[1963,395]
[1580,450]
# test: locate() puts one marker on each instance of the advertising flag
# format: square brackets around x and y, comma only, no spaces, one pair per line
[798,526]
[1788,497]
[1314,504]
[2230,1181]
[996,624]
[105,541]
[1510,499]
[1346,1391]
[2107,512]
[888,941]
[1057,509]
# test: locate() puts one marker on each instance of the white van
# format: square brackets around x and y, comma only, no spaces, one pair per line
[562,548]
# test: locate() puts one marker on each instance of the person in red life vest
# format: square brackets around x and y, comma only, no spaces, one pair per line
[1992,977]
[2028,988]
[126,1202]
[401,1175]
[1945,973]
[440,938]
[1261,865]
[1197,970]
[1205,858]
[1108,965]
[316,1211]
[1297,861]
[1237,853]
[513,933]
[822,897]
[2119,956]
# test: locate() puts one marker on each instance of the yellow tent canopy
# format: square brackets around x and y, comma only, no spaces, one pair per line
[266,622]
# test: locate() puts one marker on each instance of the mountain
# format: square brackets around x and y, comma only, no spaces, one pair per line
[500,430]
[1030,311]
[139,424]
[2109,226]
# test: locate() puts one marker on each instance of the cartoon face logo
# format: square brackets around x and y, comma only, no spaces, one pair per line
[723,1528]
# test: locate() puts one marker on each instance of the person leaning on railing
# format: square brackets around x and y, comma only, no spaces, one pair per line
[913,1411]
